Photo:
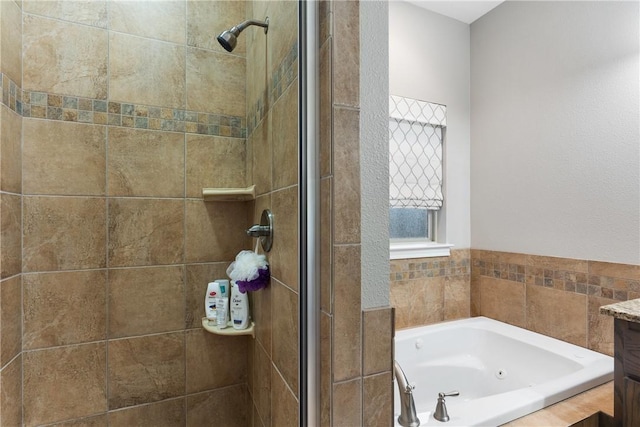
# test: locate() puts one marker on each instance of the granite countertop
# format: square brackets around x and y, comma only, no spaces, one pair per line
[626,310]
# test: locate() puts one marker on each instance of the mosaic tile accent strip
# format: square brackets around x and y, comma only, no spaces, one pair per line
[513,272]
[98,111]
[11,94]
[487,263]
[282,78]
[429,267]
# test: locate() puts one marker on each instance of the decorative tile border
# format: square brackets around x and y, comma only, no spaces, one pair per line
[281,79]
[537,271]
[615,283]
[411,269]
[52,106]
[11,94]
[513,272]
[102,112]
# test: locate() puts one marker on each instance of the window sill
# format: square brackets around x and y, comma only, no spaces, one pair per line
[418,249]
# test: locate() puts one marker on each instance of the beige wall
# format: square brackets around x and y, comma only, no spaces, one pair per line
[126,116]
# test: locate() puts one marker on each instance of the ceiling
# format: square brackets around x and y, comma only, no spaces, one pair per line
[465,11]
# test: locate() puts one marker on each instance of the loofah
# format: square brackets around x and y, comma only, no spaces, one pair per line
[250,271]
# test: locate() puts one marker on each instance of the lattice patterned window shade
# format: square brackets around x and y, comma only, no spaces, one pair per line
[416,130]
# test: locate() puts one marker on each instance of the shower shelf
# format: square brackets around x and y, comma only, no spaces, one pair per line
[251,330]
[229,194]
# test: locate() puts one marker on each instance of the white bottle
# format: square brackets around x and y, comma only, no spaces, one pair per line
[224,293]
[216,289]
[239,308]
[222,312]
[213,292]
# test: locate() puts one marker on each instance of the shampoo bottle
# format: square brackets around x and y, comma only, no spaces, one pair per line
[213,292]
[222,312]
[216,289]
[224,293]
[239,308]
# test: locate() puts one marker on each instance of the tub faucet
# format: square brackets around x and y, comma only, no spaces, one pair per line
[408,417]
[441,413]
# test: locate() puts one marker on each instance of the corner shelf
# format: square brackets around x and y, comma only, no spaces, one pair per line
[229,194]
[229,330]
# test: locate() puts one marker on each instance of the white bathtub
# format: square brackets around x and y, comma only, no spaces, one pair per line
[501,371]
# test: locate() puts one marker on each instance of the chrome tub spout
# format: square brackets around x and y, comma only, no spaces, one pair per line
[408,417]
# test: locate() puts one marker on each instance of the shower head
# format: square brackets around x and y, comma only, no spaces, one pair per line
[229,38]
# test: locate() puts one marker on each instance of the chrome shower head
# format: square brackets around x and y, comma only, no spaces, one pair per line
[229,38]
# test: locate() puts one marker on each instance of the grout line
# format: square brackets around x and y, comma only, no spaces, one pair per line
[106,226]
[184,215]
[132,267]
[21,220]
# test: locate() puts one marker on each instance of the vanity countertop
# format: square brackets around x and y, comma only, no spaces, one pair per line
[625,310]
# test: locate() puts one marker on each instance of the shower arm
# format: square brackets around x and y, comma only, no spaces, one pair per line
[240,27]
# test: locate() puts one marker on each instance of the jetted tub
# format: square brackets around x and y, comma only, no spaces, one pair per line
[501,371]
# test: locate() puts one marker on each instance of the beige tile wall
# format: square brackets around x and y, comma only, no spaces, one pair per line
[559,297]
[272,148]
[430,290]
[106,246]
[11,341]
[356,381]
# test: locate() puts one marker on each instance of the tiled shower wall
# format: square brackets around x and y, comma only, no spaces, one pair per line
[10,217]
[559,297]
[356,380]
[127,110]
[272,143]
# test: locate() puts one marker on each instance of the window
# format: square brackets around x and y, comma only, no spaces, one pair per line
[416,137]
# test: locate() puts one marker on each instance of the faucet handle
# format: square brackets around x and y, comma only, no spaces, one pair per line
[441,413]
[409,388]
[449,394]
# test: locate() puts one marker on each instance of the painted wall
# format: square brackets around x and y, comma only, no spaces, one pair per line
[556,155]
[374,143]
[429,60]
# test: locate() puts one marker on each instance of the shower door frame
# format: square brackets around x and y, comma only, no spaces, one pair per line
[308,215]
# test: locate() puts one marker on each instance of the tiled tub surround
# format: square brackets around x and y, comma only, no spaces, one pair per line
[430,290]
[559,297]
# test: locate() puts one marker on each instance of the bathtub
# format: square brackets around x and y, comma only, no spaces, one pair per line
[501,371]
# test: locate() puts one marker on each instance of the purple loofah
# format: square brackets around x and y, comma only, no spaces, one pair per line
[256,284]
